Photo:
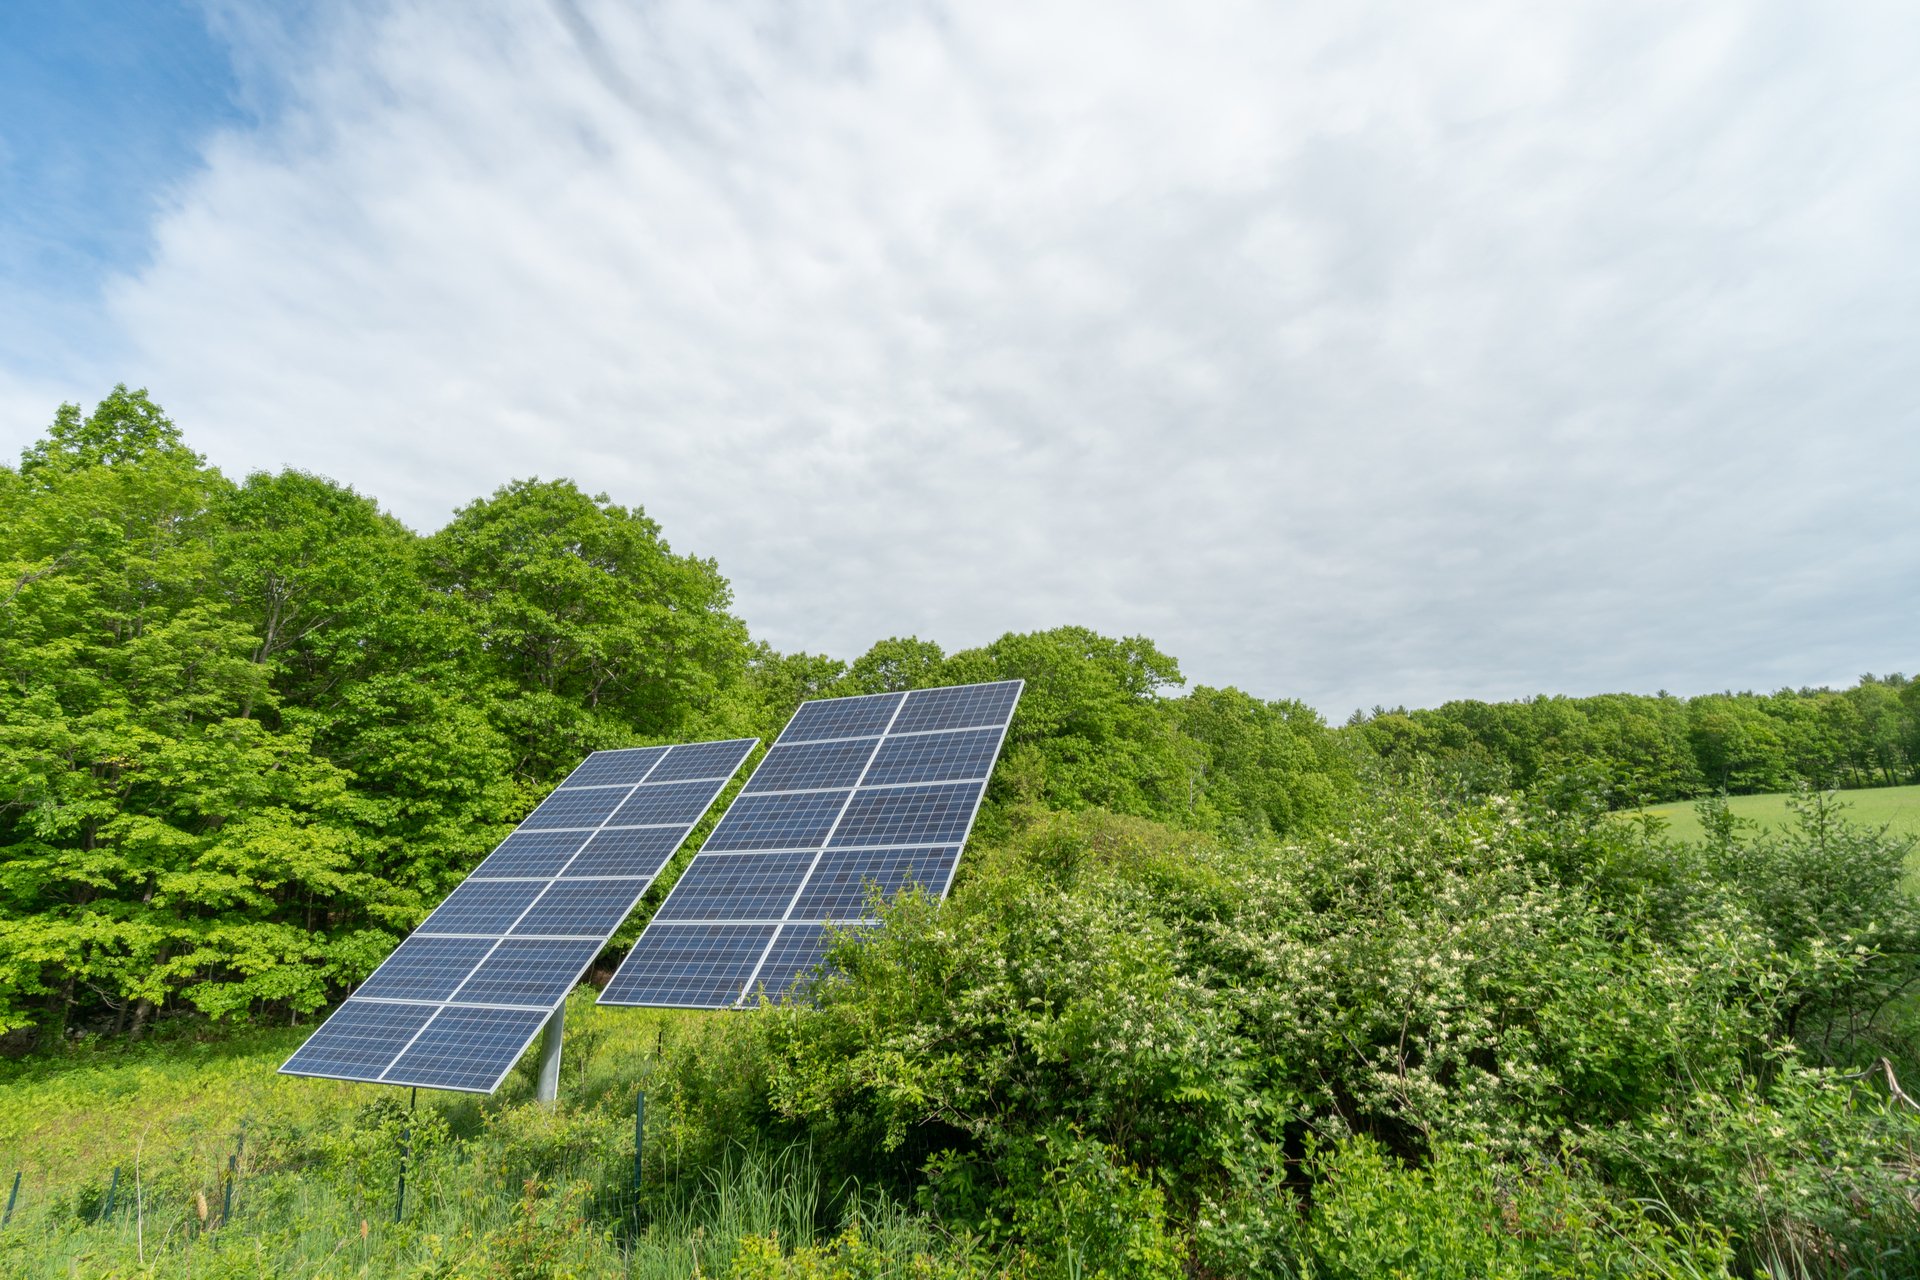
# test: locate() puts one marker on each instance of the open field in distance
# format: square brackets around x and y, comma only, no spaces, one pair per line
[1895,807]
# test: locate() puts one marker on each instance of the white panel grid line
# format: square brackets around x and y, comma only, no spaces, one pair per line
[809,848]
[455,1004]
[614,826]
[760,921]
[878,786]
[413,1039]
[904,733]
[635,786]
[541,880]
[518,937]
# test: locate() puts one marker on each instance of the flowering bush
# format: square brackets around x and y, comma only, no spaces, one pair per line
[1124,1049]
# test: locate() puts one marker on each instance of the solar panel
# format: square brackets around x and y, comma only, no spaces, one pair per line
[858,798]
[460,999]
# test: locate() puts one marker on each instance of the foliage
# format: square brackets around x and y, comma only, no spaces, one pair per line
[1461,1215]
[1112,1004]
[1644,750]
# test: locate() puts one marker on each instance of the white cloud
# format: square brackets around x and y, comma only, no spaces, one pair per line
[1353,353]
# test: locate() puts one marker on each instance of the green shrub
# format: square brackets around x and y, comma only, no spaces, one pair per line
[1462,1216]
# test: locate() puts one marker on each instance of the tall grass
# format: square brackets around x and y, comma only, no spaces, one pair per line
[500,1187]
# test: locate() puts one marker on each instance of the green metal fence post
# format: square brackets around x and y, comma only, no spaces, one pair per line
[639,1133]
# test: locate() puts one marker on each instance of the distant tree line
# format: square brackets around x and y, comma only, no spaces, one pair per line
[251,731]
[1643,750]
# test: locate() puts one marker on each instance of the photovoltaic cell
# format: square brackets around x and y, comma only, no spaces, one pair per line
[482,906]
[736,886]
[689,966]
[678,803]
[777,821]
[529,972]
[624,767]
[581,908]
[359,1041]
[708,761]
[576,807]
[966,706]
[640,851]
[838,888]
[858,797]
[786,971]
[809,766]
[537,854]
[841,718]
[467,1048]
[457,1002]
[935,757]
[938,814]
[426,968]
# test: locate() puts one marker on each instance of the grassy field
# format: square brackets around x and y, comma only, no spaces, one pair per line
[499,1186]
[1894,807]
[1898,807]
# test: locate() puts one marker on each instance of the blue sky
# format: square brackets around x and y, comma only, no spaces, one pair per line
[1374,353]
[104,107]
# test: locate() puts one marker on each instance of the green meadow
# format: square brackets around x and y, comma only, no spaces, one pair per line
[1896,808]
[126,1156]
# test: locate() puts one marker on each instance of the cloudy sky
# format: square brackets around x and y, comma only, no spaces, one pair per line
[1361,353]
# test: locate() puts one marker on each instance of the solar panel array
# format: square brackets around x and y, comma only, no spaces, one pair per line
[457,1003]
[857,796]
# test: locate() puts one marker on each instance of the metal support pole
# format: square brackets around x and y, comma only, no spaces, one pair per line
[406,1150]
[549,1088]
[11,1197]
[112,1189]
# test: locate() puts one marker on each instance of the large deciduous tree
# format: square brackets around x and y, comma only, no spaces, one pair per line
[587,624]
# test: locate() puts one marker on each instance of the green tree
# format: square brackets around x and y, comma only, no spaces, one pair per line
[153,823]
[590,630]
[1736,744]
[374,665]
[1262,767]
[895,663]
[1879,746]
[126,427]
[1092,728]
